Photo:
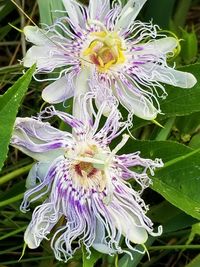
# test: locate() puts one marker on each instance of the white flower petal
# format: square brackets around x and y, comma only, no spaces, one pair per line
[37,36]
[43,220]
[82,82]
[100,238]
[73,11]
[41,156]
[106,110]
[39,140]
[46,58]
[137,103]
[160,46]
[98,9]
[129,13]
[103,94]
[42,131]
[57,91]
[170,76]
[128,224]
[103,248]
[30,239]
[37,172]
[81,87]
[36,55]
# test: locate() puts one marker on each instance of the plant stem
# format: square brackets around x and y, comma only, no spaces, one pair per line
[181,12]
[11,200]
[174,247]
[27,260]
[163,134]
[4,179]
[13,232]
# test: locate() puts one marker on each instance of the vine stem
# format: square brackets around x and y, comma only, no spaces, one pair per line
[11,200]
[163,134]
[181,12]
[174,247]
[4,179]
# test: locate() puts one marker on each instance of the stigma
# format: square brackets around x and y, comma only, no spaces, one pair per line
[105,50]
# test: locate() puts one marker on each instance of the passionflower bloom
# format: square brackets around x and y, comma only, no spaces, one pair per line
[84,182]
[105,45]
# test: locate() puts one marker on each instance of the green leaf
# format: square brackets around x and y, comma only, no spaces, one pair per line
[195,262]
[195,141]
[47,10]
[160,13]
[126,260]
[167,150]
[179,180]
[179,101]
[124,2]
[6,7]
[171,218]
[90,260]
[9,104]
[195,231]
[188,124]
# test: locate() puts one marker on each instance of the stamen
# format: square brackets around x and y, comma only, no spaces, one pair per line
[98,23]
[86,159]
[125,138]
[105,50]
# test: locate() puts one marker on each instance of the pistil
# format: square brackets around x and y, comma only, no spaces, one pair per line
[105,50]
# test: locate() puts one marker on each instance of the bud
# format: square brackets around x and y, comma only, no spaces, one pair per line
[189,46]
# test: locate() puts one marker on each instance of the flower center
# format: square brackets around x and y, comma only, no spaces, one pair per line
[87,166]
[105,50]
[85,169]
[86,160]
[90,163]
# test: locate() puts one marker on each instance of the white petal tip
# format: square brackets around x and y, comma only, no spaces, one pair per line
[57,92]
[140,237]
[191,80]
[48,98]
[29,29]
[29,239]
[103,248]
[147,113]
[37,36]
[148,117]
[28,60]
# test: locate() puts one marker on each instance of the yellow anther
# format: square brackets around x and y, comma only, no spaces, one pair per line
[90,48]
[105,51]
[101,63]
[99,34]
